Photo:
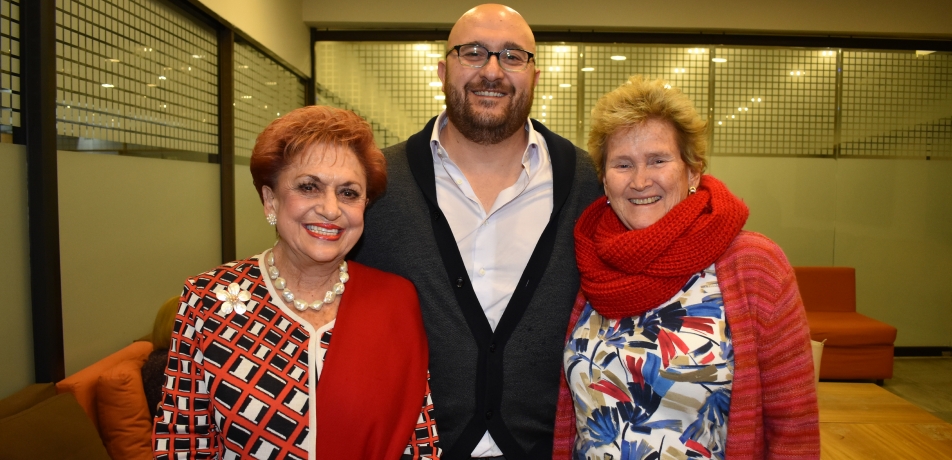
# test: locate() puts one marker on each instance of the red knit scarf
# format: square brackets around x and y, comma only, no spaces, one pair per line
[627,272]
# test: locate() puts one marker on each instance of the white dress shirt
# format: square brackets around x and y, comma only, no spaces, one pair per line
[495,245]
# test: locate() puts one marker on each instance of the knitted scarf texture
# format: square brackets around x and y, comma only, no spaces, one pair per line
[627,272]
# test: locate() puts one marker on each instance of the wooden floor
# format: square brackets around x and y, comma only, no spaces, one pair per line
[864,421]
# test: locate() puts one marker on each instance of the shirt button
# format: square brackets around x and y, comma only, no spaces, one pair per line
[482,272]
[492,347]
[489,414]
[459,181]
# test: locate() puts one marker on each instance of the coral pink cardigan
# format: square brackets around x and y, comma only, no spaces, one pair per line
[773,412]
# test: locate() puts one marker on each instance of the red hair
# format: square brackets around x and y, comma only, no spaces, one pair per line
[300,129]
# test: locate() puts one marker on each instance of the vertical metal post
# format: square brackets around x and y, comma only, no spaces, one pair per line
[580,97]
[711,122]
[226,140]
[838,115]
[38,71]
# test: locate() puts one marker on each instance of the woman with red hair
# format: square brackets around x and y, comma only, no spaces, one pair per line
[296,353]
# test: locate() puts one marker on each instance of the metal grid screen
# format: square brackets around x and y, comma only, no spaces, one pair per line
[9,67]
[774,101]
[897,104]
[762,101]
[264,90]
[555,102]
[393,85]
[134,75]
[608,66]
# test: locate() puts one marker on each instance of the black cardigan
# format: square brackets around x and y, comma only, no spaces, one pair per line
[505,381]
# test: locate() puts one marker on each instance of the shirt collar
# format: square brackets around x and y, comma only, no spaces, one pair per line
[530,159]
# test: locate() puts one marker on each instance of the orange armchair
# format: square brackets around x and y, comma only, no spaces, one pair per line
[857,346]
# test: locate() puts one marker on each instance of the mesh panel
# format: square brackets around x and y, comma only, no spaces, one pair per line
[611,65]
[263,91]
[9,65]
[765,101]
[896,104]
[393,85]
[774,102]
[134,75]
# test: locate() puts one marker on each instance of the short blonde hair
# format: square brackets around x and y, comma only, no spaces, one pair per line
[639,100]
[164,320]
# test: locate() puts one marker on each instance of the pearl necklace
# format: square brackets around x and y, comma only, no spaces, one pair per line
[300,304]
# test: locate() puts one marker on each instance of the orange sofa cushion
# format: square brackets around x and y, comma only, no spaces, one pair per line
[55,428]
[83,383]
[849,329]
[827,288]
[125,424]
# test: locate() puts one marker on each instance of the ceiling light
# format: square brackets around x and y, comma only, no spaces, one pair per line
[434,55]
[618,58]
[554,68]
[720,122]
[561,49]
[112,60]
[565,85]
[108,85]
[421,47]
[196,56]
[436,84]
[667,86]
[440,97]
[246,97]
[429,67]
[271,83]
[162,77]
[588,69]
[923,53]
[719,60]
[152,85]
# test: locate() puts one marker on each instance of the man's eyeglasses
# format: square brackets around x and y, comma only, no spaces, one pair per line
[514,60]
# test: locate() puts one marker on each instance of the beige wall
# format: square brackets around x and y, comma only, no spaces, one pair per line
[889,218]
[881,17]
[276,24]
[16,349]
[252,232]
[131,230]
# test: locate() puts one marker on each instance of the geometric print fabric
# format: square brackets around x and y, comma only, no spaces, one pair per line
[244,376]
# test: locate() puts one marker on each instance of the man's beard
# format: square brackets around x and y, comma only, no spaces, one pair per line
[487,129]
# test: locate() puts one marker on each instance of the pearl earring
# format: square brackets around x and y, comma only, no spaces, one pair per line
[692,190]
[272,219]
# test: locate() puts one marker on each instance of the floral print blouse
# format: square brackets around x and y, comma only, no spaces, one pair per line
[657,385]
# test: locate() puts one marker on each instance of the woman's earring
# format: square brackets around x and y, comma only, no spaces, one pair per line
[608,201]
[272,219]
[691,191]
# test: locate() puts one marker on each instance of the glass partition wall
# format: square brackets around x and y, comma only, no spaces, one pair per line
[761,101]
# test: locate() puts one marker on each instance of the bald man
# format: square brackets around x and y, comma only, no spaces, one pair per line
[479,214]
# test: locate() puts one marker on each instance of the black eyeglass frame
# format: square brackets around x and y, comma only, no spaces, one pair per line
[490,55]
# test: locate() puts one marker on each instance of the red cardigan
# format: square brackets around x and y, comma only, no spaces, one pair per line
[773,411]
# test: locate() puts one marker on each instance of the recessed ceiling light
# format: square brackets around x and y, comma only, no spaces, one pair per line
[152,85]
[719,60]
[618,58]
[561,49]
[112,60]
[440,97]
[421,47]
[162,77]
[108,85]
[246,97]
[271,83]
[434,55]
[565,85]
[588,69]
[436,84]
[196,56]
[554,68]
